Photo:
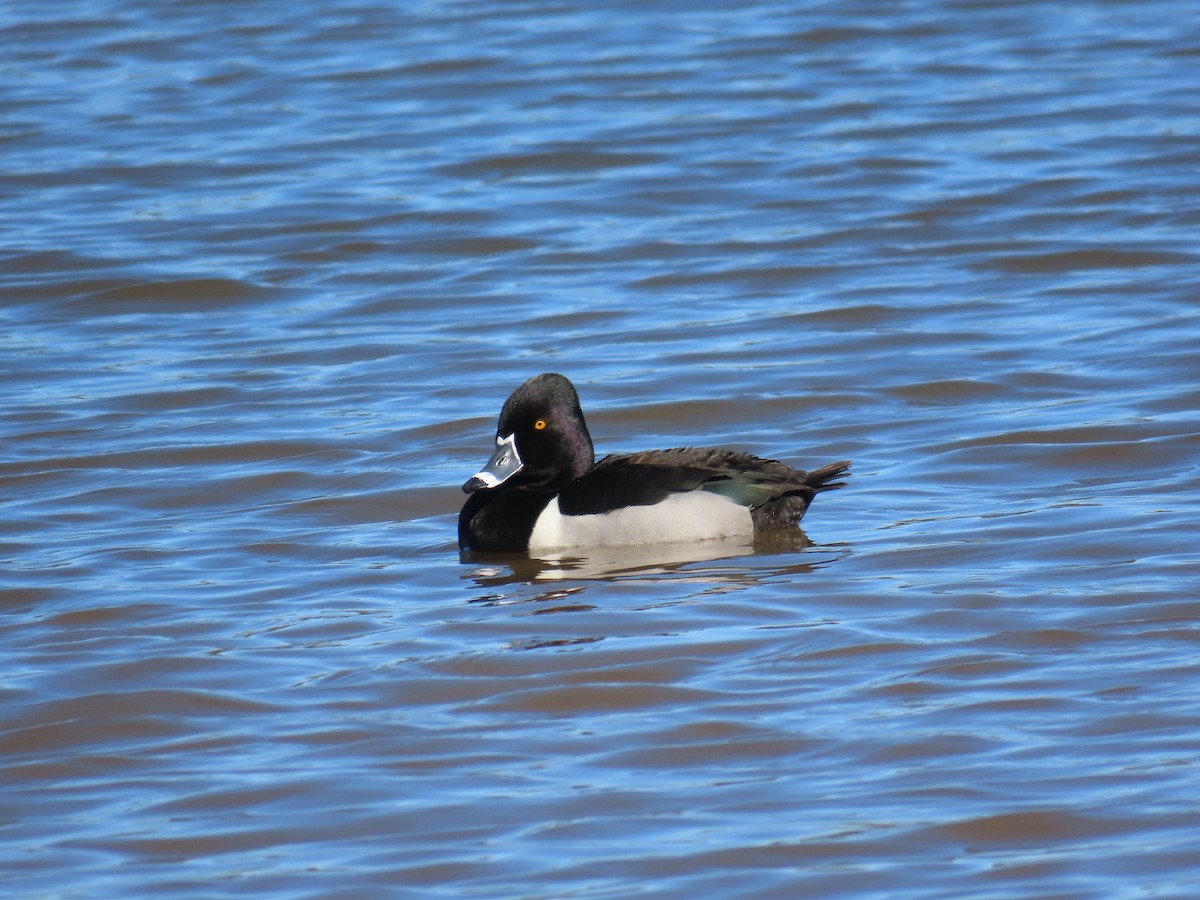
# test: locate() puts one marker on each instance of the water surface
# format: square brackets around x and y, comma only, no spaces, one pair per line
[267,276]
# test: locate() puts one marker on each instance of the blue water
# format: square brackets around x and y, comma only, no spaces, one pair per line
[267,275]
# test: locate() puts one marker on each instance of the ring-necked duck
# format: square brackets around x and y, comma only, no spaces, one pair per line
[543,489]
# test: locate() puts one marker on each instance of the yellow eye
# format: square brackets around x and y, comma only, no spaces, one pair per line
[540,425]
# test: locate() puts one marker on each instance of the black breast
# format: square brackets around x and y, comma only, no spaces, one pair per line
[500,520]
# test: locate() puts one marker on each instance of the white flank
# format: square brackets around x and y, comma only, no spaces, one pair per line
[695,516]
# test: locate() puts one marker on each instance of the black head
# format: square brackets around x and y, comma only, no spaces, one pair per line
[543,423]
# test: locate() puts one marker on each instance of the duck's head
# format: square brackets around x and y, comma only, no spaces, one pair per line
[542,441]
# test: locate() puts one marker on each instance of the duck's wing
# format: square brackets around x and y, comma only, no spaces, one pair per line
[640,479]
[630,479]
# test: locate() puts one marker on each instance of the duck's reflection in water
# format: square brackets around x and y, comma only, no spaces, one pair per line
[641,561]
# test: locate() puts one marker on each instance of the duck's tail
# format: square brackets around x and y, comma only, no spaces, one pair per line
[822,479]
[786,510]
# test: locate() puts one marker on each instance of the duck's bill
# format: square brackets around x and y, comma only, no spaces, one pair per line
[504,464]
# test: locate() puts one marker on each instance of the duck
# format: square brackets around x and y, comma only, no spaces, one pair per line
[542,488]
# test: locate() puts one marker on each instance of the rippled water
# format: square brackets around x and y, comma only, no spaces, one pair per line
[268,273]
